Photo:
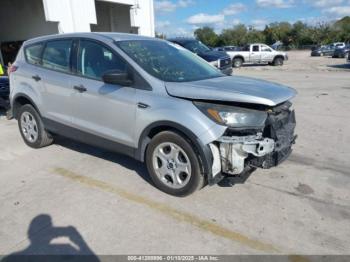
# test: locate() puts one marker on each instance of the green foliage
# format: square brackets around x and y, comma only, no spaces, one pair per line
[235,35]
[207,36]
[293,35]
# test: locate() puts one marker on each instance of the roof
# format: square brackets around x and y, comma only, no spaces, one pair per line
[93,35]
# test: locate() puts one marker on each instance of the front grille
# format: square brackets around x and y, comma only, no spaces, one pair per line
[280,126]
[224,62]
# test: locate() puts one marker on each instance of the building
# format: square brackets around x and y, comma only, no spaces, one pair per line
[24,19]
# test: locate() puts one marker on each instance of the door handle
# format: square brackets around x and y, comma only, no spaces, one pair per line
[142,105]
[36,78]
[80,89]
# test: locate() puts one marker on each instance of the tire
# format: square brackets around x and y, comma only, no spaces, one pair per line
[166,152]
[237,62]
[278,61]
[32,128]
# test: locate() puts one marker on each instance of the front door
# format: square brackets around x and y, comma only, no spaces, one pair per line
[266,53]
[105,110]
[255,55]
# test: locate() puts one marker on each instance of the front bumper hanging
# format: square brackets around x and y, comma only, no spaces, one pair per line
[265,149]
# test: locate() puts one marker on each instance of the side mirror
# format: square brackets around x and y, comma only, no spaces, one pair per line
[117,78]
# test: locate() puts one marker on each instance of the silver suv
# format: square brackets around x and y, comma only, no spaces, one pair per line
[154,101]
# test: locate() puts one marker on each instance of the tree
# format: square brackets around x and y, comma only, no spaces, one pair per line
[342,29]
[235,36]
[254,36]
[297,35]
[207,36]
[300,34]
[278,32]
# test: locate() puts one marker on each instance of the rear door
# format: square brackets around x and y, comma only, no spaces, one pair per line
[255,55]
[101,109]
[28,71]
[56,78]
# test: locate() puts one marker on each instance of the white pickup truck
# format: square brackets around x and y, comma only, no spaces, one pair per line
[257,54]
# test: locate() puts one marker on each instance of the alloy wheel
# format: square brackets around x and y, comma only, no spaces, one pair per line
[29,127]
[172,165]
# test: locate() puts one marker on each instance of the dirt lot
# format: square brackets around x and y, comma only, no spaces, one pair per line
[103,203]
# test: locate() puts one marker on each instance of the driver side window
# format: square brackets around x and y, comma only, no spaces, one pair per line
[265,49]
[94,60]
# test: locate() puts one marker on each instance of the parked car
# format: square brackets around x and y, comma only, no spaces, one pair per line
[216,58]
[338,45]
[323,51]
[341,52]
[226,48]
[4,87]
[154,101]
[4,92]
[257,54]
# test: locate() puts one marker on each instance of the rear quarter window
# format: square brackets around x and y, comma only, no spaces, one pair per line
[56,55]
[33,53]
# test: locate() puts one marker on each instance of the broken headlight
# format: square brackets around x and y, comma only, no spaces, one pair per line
[233,116]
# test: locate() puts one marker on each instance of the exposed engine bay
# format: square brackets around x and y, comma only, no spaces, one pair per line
[258,148]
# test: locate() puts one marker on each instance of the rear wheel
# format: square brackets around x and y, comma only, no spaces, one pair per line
[31,128]
[237,62]
[278,61]
[173,164]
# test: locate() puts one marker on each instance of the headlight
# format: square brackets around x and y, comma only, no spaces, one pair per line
[233,116]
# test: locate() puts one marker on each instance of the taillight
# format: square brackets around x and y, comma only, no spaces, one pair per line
[12,69]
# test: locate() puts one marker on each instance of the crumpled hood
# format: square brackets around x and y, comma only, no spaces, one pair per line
[233,89]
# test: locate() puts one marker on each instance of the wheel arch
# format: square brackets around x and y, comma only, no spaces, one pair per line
[19,100]
[203,151]
[278,56]
[238,56]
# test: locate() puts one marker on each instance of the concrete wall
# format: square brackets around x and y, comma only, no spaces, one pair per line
[23,19]
[71,15]
[79,15]
[112,17]
[142,16]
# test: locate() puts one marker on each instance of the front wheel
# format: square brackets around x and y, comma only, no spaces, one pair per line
[173,164]
[32,128]
[278,61]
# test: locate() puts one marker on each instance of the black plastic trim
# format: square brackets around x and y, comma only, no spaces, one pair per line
[87,138]
[18,95]
[203,151]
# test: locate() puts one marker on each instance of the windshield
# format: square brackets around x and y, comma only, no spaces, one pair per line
[167,61]
[196,47]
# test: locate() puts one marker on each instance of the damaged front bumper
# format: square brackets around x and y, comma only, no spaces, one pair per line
[265,148]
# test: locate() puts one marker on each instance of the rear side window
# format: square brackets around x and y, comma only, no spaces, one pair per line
[94,60]
[33,53]
[56,55]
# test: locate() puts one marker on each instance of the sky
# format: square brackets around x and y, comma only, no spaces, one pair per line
[182,17]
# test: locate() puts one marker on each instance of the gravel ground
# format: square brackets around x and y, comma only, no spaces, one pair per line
[72,198]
